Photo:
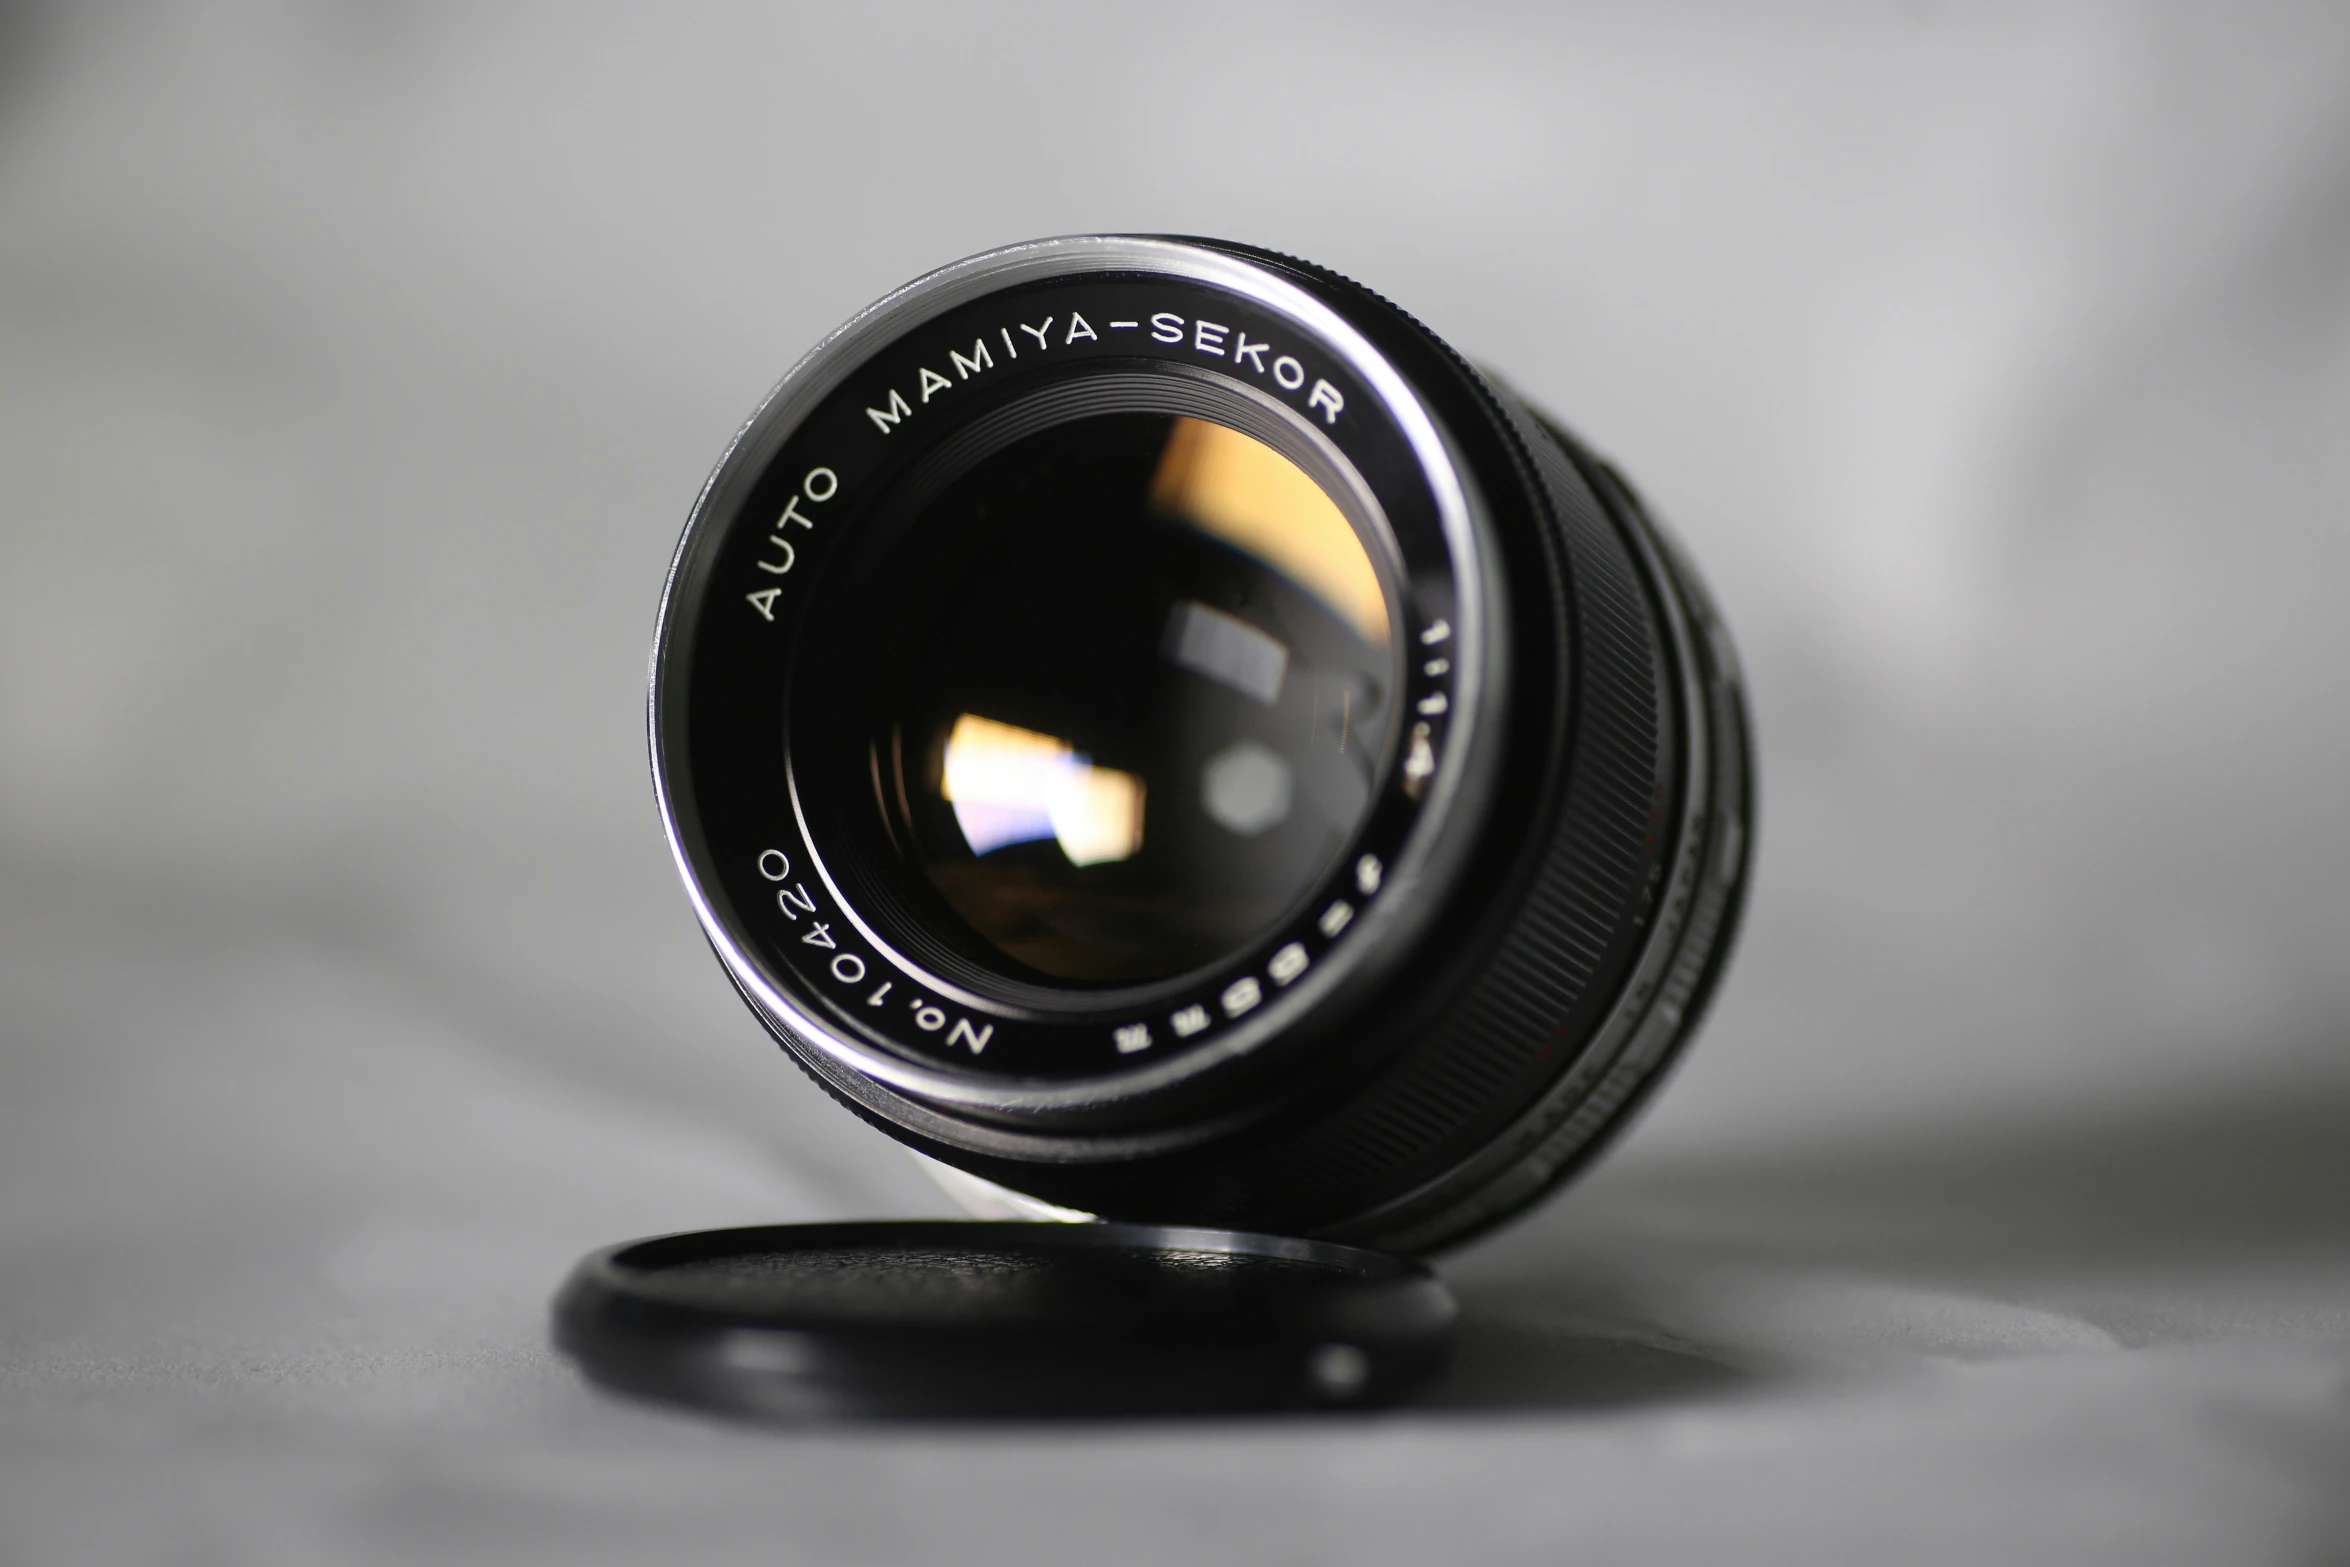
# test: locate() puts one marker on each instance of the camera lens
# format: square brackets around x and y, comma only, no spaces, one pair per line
[1146,725]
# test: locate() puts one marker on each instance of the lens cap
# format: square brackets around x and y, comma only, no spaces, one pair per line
[990,1318]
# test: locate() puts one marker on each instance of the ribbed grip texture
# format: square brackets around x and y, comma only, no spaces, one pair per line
[1499,1039]
[1533,932]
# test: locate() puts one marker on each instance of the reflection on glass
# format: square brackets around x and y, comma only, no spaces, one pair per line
[1121,609]
[1236,488]
[1228,650]
[1245,789]
[1012,785]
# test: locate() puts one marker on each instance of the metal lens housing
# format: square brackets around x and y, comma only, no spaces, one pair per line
[1146,725]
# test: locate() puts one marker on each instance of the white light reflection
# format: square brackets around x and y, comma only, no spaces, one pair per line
[1228,650]
[1011,785]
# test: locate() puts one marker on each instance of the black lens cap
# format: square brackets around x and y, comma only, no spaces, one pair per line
[991,1318]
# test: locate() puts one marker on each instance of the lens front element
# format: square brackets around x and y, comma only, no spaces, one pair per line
[1129,684]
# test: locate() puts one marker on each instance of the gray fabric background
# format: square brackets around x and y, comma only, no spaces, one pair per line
[358,363]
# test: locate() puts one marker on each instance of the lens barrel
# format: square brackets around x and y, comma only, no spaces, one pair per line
[1146,725]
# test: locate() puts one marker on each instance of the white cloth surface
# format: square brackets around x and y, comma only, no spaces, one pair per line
[356,368]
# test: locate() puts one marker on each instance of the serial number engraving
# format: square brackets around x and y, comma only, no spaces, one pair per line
[850,969]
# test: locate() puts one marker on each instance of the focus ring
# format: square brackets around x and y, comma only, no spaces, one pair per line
[1570,927]
[1536,938]
[1695,925]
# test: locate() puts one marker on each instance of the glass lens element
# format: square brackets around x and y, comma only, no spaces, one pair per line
[1128,685]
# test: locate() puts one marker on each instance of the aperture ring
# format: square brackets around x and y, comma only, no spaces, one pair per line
[1537,940]
[1660,1009]
[1569,929]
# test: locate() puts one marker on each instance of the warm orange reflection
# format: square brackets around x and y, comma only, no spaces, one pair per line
[1012,785]
[1242,491]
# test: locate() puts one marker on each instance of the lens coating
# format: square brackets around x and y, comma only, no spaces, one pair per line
[1128,685]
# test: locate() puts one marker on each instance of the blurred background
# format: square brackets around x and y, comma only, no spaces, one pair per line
[359,362]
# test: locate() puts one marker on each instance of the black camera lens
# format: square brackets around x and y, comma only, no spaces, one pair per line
[1146,725]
